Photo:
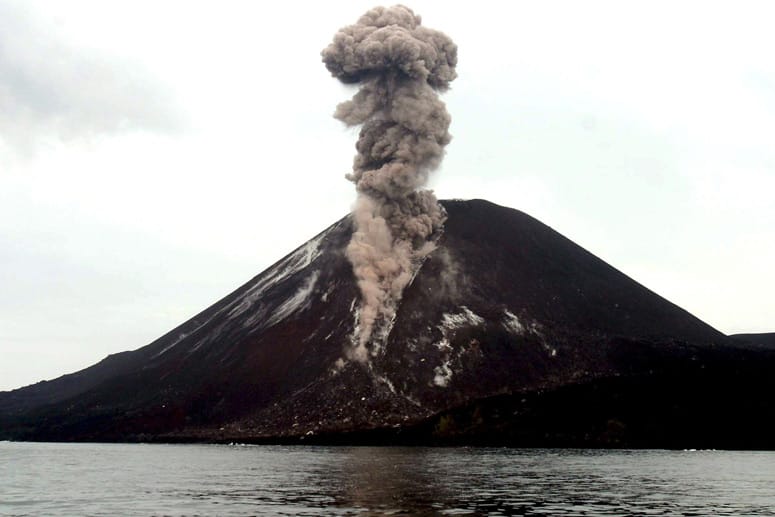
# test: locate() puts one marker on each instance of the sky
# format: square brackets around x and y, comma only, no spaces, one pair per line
[154,156]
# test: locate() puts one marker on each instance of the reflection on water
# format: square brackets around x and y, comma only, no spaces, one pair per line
[109,479]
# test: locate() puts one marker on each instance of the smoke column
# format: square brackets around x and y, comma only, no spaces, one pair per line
[399,66]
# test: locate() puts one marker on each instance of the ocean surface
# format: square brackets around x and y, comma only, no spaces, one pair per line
[136,479]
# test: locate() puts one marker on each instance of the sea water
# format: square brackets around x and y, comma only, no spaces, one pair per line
[137,479]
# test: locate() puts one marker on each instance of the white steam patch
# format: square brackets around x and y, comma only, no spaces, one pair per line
[299,301]
[180,338]
[339,365]
[512,323]
[522,328]
[443,345]
[450,323]
[463,318]
[443,374]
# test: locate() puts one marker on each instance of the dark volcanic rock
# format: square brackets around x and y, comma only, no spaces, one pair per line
[765,340]
[509,334]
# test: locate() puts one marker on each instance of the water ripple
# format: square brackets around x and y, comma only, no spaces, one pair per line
[122,479]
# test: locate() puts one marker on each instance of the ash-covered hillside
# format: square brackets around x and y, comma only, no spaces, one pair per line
[509,333]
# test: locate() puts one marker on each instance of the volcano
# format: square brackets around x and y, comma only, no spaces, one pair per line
[508,334]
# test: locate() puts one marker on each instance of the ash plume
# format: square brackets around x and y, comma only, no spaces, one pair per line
[399,66]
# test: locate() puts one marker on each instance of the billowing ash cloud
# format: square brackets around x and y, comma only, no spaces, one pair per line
[399,65]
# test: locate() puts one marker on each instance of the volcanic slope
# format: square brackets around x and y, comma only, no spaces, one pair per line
[766,340]
[503,314]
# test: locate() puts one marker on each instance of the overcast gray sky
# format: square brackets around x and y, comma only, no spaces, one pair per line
[156,155]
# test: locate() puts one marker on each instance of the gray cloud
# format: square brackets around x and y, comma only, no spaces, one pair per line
[399,65]
[50,89]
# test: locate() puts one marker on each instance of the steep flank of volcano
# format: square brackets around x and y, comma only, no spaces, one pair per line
[510,258]
[505,312]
